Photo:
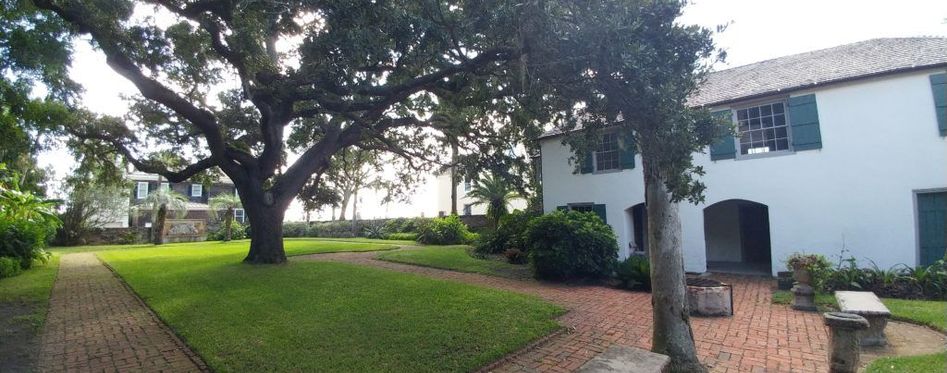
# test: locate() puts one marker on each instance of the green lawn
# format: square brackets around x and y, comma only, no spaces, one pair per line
[926,312]
[455,258]
[320,316]
[910,364]
[293,246]
[24,300]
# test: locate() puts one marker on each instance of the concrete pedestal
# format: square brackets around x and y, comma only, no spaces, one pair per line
[843,341]
[803,298]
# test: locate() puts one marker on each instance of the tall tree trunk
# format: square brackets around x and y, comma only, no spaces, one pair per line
[158,224]
[355,213]
[344,204]
[672,334]
[453,178]
[228,224]
[266,229]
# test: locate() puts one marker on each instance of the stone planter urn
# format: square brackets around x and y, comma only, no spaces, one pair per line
[803,295]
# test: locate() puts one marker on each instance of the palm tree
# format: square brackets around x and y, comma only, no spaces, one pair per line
[495,193]
[228,202]
[161,201]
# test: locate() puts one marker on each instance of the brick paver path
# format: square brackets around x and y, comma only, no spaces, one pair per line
[760,337]
[96,324]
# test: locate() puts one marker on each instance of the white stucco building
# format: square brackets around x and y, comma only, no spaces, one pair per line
[841,148]
[465,204]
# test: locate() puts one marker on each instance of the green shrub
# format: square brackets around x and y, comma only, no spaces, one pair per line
[26,222]
[515,256]
[404,225]
[818,266]
[571,245]
[24,241]
[9,267]
[634,273]
[238,231]
[336,229]
[510,234]
[448,230]
[402,236]
[295,229]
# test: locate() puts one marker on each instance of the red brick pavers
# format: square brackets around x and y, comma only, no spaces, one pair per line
[760,337]
[96,324]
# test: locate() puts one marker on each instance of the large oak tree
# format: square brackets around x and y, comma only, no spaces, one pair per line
[226,82]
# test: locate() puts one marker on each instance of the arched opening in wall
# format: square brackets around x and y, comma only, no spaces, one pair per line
[637,219]
[736,235]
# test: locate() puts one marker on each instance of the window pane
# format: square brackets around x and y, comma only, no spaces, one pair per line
[741,114]
[778,108]
[754,112]
[756,136]
[770,134]
[779,120]
[766,110]
[781,132]
[782,144]
[767,122]
[754,123]
[744,126]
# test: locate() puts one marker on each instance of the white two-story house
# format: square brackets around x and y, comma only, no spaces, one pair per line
[841,148]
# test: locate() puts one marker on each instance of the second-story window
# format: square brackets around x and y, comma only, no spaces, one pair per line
[607,155]
[142,191]
[467,185]
[763,129]
[197,190]
[166,186]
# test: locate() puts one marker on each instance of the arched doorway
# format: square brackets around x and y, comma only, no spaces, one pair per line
[637,219]
[736,235]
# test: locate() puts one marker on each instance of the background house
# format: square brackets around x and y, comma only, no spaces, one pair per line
[837,149]
[198,196]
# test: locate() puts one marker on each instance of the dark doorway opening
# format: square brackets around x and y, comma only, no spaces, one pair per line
[737,237]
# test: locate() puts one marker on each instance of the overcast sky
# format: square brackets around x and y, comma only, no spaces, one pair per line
[758,30]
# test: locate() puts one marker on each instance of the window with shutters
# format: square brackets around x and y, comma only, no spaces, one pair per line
[763,129]
[238,215]
[142,191]
[607,154]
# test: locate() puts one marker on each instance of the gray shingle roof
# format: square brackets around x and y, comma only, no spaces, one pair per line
[799,71]
[825,66]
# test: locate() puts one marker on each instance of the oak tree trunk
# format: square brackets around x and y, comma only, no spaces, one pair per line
[158,224]
[344,204]
[672,334]
[266,229]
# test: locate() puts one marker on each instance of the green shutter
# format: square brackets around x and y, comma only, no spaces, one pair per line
[628,151]
[939,87]
[725,146]
[600,211]
[586,167]
[804,121]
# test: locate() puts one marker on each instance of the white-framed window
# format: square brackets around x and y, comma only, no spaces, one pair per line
[238,215]
[166,186]
[607,155]
[468,210]
[197,190]
[467,185]
[763,129]
[141,191]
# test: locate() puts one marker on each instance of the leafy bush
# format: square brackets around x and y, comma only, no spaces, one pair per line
[9,267]
[295,229]
[448,230]
[515,256]
[336,229]
[571,245]
[402,236]
[510,234]
[899,281]
[634,273]
[238,231]
[26,222]
[404,225]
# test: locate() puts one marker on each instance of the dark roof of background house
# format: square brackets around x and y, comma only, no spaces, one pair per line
[837,64]
[847,62]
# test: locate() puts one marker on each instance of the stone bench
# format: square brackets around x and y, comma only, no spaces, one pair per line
[866,304]
[626,359]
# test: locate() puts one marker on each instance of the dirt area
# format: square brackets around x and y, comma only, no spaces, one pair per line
[19,337]
[906,339]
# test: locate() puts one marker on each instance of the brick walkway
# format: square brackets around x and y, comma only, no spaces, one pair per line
[96,324]
[760,337]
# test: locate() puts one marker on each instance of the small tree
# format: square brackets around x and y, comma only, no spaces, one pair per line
[161,201]
[228,203]
[494,192]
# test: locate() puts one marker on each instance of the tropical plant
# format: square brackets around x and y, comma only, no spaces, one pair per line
[159,202]
[228,203]
[510,234]
[494,192]
[26,221]
[237,231]
[373,230]
[634,272]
